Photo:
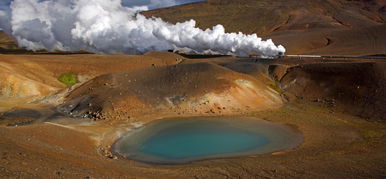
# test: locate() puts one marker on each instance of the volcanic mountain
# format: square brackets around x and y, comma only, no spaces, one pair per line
[320,27]
[323,27]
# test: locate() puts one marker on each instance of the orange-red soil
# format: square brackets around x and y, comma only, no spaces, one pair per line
[337,142]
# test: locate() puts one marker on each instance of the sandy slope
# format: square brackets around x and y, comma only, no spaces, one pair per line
[192,88]
[355,86]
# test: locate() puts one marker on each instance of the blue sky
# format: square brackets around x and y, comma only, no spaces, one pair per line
[4,4]
[152,4]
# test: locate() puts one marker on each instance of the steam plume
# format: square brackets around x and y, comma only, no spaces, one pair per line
[105,26]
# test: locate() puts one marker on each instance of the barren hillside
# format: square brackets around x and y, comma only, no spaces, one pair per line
[327,27]
[6,42]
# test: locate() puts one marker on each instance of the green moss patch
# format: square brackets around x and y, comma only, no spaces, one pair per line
[68,79]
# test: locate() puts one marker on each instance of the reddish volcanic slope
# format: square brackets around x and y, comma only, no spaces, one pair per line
[6,42]
[327,27]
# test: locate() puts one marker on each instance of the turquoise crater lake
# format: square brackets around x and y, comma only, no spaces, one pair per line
[184,140]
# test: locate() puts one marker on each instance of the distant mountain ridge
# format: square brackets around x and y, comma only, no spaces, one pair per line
[326,27]
[322,27]
[7,42]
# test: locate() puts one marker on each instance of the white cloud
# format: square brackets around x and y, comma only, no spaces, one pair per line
[105,26]
[139,8]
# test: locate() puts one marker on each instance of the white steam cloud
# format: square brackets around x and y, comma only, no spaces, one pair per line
[105,26]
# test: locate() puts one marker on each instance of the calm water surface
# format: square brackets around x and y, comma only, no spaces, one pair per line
[183,140]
